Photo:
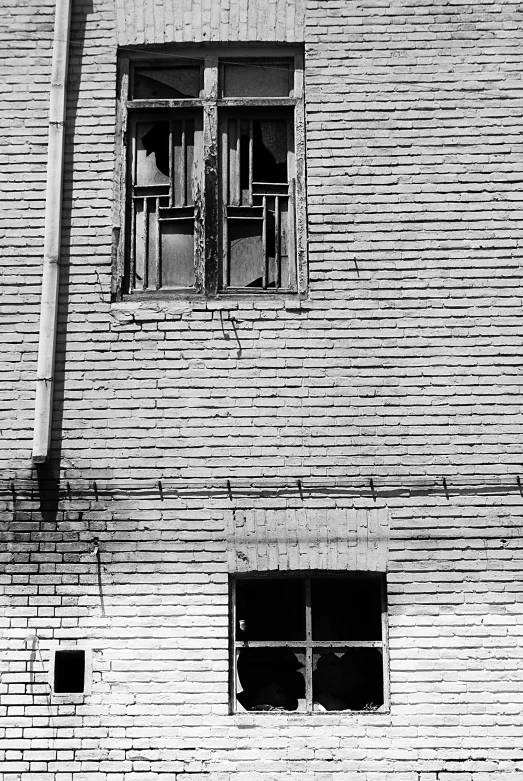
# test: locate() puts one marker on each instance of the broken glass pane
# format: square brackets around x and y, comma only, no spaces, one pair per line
[270,609]
[177,242]
[257,80]
[246,260]
[269,155]
[347,679]
[346,609]
[166,83]
[271,678]
[152,153]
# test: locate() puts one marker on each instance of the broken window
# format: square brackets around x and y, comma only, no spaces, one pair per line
[214,176]
[312,643]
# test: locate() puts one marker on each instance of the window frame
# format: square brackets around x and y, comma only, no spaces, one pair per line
[70,697]
[235,645]
[209,207]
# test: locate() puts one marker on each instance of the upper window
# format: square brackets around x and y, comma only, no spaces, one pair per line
[213,169]
[313,643]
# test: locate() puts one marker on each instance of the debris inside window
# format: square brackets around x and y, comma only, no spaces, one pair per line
[163,214]
[69,672]
[309,644]
[258,231]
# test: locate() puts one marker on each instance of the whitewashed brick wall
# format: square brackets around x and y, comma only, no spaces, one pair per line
[403,366]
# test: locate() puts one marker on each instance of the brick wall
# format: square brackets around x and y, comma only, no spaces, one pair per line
[401,368]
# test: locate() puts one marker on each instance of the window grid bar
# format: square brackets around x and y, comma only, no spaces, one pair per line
[265,274]
[132,255]
[171,164]
[277,239]
[158,243]
[145,281]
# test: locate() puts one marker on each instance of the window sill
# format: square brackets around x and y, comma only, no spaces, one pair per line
[153,307]
[250,718]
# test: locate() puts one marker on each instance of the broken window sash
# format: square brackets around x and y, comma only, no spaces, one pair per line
[258,203]
[285,656]
[164,185]
[207,250]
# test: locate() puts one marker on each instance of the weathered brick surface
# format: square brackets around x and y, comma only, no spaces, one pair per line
[402,367]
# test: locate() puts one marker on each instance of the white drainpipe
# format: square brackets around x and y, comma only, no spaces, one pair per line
[53,223]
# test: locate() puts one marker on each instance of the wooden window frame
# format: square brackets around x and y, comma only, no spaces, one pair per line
[208,207]
[235,645]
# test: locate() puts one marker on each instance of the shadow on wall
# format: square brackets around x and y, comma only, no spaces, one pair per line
[79,17]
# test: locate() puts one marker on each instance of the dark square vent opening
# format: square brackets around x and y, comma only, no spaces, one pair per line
[69,672]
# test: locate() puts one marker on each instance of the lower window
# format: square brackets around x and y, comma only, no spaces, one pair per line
[314,642]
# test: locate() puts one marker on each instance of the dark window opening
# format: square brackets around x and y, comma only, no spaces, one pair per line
[69,672]
[311,643]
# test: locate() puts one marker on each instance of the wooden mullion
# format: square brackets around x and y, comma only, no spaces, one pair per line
[251,151]
[145,283]
[183,177]
[157,258]
[277,242]
[123,236]
[132,248]
[265,275]
[211,188]
[199,205]
[229,185]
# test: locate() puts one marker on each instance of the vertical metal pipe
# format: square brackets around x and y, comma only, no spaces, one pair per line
[52,235]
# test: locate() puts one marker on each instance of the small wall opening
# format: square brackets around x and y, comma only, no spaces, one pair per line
[69,672]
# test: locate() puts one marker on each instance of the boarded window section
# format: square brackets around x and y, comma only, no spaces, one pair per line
[258,196]
[164,185]
[257,79]
[69,672]
[167,83]
[309,644]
